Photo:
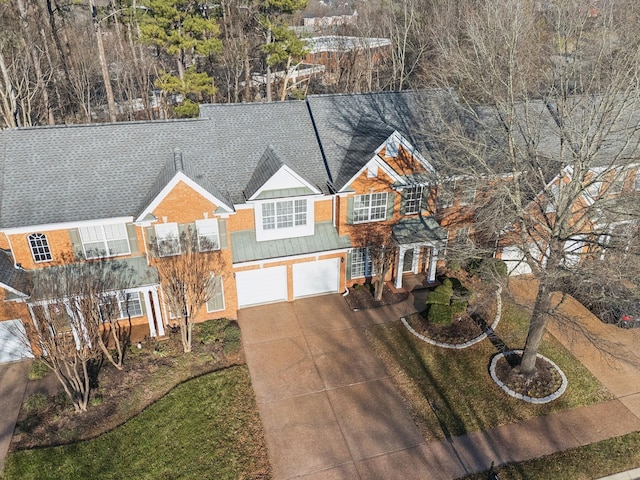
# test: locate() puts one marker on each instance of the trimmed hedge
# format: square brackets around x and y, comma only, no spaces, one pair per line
[440,314]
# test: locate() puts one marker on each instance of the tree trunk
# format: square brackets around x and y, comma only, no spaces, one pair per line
[537,327]
[268,76]
[30,46]
[9,102]
[111,103]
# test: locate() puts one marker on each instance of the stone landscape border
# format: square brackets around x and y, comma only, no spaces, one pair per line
[519,396]
[460,346]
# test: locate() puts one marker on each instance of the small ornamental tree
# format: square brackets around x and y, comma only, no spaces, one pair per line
[382,250]
[189,277]
[75,309]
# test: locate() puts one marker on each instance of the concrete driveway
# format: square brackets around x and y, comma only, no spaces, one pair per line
[13,383]
[328,407]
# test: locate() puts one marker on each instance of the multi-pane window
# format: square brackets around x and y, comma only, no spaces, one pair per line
[39,247]
[370,207]
[284,214]
[445,195]
[130,305]
[466,191]
[216,300]
[462,236]
[105,240]
[361,265]
[208,235]
[168,238]
[413,199]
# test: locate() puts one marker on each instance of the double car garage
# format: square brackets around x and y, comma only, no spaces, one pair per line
[271,284]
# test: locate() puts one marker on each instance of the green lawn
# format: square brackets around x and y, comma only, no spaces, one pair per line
[205,428]
[451,393]
[585,463]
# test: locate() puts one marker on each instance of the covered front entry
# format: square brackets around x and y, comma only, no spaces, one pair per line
[419,241]
[316,278]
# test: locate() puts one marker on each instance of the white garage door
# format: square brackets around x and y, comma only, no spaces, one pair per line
[514,258]
[12,342]
[315,278]
[264,285]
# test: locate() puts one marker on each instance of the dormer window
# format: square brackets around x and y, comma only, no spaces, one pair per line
[284,214]
[39,247]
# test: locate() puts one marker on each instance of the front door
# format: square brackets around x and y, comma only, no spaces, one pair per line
[407,265]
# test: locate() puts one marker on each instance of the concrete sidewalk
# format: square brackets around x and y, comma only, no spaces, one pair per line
[13,384]
[331,412]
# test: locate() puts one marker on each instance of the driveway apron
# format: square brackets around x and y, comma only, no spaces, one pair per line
[13,383]
[326,402]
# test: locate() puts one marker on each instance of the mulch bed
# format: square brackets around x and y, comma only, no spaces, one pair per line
[149,373]
[361,297]
[461,330]
[543,383]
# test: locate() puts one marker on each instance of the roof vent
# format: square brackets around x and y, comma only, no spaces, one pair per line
[177,159]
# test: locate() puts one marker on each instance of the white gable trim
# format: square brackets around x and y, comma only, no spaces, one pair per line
[377,158]
[301,182]
[14,291]
[177,178]
[378,162]
[67,225]
[401,141]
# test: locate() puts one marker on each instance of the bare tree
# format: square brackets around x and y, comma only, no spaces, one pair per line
[190,267]
[381,248]
[549,101]
[70,305]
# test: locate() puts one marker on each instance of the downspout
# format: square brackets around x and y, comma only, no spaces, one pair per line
[15,264]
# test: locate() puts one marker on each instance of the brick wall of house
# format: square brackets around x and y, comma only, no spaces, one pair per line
[59,244]
[184,205]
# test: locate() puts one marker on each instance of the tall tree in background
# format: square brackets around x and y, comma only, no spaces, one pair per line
[184,30]
[273,18]
[544,94]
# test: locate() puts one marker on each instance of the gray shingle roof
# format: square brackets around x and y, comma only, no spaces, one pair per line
[348,125]
[11,276]
[269,164]
[83,172]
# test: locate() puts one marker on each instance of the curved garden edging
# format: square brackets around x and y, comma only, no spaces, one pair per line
[460,346]
[526,398]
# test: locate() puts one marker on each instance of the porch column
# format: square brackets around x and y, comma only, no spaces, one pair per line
[432,264]
[399,268]
[158,311]
[149,309]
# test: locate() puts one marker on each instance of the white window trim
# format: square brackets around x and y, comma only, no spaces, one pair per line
[370,207]
[43,244]
[105,241]
[121,301]
[208,228]
[417,200]
[300,230]
[368,264]
[450,197]
[167,232]
[461,186]
[221,286]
